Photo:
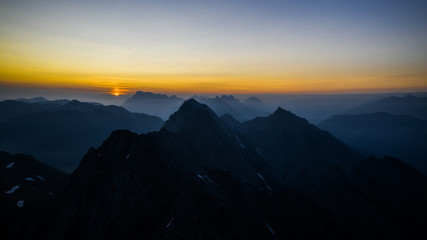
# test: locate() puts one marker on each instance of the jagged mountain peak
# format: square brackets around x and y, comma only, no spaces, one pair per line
[142,94]
[192,102]
[139,93]
[197,180]
[191,105]
[278,120]
[191,114]
[227,98]
[150,103]
[285,116]
[280,110]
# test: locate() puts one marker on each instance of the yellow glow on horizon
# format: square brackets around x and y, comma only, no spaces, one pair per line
[169,48]
[25,65]
[122,84]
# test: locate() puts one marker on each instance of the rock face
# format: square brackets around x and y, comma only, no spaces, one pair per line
[200,177]
[60,135]
[27,188]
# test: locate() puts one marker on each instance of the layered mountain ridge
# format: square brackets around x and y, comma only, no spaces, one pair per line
[200,177]
[408,105]
[163,105]
[394,126]
[60,134]
[241,111]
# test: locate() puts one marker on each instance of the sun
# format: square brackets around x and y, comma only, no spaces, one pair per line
[116,92]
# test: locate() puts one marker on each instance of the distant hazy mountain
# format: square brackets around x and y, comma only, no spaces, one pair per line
[201,177]
[249,109]
[382,134]
[255,103]
[42,100]
[59,135]
[32,100]
[27,188]
[10,109]
[154,104]
[163,105]
[408,105]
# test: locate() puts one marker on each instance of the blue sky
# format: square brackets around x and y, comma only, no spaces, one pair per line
[207,46]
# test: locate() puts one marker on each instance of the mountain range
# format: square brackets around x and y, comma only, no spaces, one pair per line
[380,134]
[163,106]
[60,133]
[393,126]
[241,111]
[154,104]
[408,105]
[206,177]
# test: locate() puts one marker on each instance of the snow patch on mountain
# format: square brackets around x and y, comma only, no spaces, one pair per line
[238,140]
[259,152]
[10,165]
[38,176]
[269,228]
[20,203]
[167,226]
[262,178]
[13,189]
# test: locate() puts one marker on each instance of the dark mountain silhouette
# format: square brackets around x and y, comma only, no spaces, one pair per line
[193,182]
[220,107]
[382,134]
[27,188]
[200,177]
[408,105]
[14,108]
[394,189]
[298,151]
[249,109]
[230,121]
[154,104]
[59,135]
[42,100]
[10,109]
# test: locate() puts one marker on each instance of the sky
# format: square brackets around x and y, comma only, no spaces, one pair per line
[212,47]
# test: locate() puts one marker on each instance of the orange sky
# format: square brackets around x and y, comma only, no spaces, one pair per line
[225,48]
